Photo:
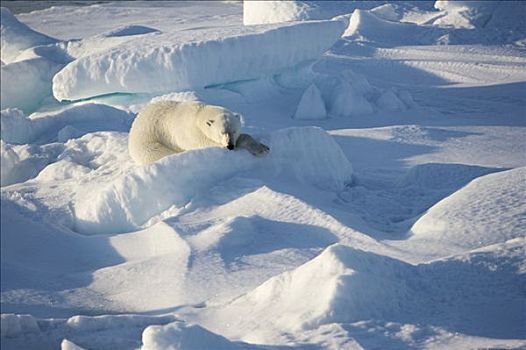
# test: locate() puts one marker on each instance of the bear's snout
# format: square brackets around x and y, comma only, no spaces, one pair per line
[230,146]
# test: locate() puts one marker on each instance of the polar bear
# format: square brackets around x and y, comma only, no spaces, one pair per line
[168,127]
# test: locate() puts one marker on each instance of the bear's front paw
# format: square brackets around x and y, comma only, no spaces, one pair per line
[259,150]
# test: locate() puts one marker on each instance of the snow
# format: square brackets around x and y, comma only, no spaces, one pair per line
[178,335]
[259,12]
[165,68]
[16,37]
[311,105]
[469,217]
[389,213]
[131,200]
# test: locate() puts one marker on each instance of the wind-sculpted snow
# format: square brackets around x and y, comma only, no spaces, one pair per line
[307,155]
[344,284]
[469,218]
[16,37]
[175,67]
[366,26]
[72,122]
[259,12]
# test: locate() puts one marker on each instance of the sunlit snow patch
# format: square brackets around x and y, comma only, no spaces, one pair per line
[470,217]
[307,155]
[157,68]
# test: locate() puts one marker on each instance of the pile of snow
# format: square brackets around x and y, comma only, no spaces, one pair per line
[67,123]
[469,218]
[340,285]
[344,285]
[366,26]
[311,105]
[16,37]
[21,163]
[348,94]
[308,155]
[26,83]
[508,15]
[78,332]
[177,67]
[260,12]
[183,336]
[9,159]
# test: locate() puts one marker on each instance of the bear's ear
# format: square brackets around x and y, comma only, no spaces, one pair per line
[209,122]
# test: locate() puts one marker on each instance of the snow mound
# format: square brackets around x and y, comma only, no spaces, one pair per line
[347,94]
[308,155]
[390,102]
[168,68]
[26,83]
[365,26]
[183,336]
[13,325]
[507,15]
[69,345]
[50,126]
[16,37]
[130,30]
[344,285]
[21,163]
[260,12]
[9,159]
[311,105]
[339,285]
[471,217]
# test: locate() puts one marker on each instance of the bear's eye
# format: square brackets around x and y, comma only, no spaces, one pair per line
[210,122]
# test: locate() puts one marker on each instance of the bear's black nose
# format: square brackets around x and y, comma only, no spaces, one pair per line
[230,146]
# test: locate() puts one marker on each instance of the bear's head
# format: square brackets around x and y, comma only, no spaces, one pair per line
[220,125]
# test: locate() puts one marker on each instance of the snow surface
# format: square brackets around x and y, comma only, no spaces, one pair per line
[259,12]
[389,213]
[165,68]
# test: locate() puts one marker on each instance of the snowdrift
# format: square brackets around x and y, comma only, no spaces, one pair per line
[259,12]
[308,155]
[167,68]
[16,37]
[344,284]
[340,285]
[62,125]
[507,15]
[183,336]
[366,26]
[25,84]
[469,218]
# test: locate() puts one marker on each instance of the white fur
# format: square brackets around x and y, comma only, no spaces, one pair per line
[169,127]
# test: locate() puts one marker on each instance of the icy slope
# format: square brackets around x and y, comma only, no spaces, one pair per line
[470,217]
[16,37]
[308,155]
[166,68]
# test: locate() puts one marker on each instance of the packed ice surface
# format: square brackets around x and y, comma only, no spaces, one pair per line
[418,244]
